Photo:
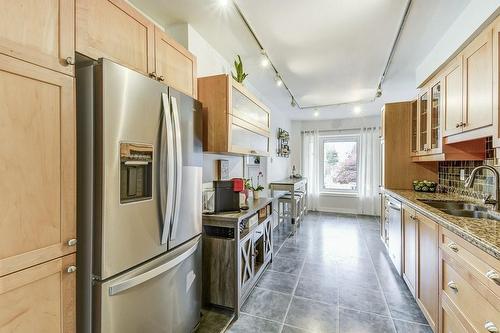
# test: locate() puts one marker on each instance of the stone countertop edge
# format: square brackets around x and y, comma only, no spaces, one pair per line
[490,247]
[253,207]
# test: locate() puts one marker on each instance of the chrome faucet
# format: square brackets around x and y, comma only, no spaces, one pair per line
[470,181]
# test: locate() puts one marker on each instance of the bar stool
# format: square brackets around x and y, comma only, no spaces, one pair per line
[285,211]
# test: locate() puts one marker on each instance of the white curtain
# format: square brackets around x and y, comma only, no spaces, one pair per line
[310,167]
[369,168]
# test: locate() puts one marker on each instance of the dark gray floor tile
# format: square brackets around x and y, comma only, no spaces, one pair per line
[247,324]
[406,327]
[290,329]
[267,304]
[404,307]
[278,281]
[349,279]
[286,265]
[317,270]
[363,299]
[318,289]
[292,252]
[214,320]
[352,321]
[313,316]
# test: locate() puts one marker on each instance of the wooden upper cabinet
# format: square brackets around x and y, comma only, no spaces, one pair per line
[478,82]
[175,65]
[40,32]
[113,29]
[235,121]
[452,87]
[414,128]
[37,158]
[40,299]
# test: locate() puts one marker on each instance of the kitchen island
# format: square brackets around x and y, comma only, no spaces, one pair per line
[237,246]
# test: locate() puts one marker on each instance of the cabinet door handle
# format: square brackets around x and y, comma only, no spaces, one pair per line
[71,269]
[161,78]
[494,276]
[491,327]
[457,125]
[453,246]
[453,286]
[253,151]
[463,124]
[72,242]
[153,75]
[69,61]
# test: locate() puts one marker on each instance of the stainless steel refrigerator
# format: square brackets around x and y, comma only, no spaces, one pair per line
[139,203]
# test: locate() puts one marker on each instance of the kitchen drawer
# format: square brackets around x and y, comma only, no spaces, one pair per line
[449,321]
[484,267]
[460,290]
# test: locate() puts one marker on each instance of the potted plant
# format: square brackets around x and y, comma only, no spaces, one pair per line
[255,189]
[239,74]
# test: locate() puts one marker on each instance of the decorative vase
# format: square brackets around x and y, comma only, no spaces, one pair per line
[245,192]
[256,195]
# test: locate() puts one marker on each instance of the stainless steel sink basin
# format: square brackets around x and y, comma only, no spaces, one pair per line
[461,208]
[453,205]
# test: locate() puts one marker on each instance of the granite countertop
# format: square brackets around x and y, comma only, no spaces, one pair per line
[253,207]
[483,233]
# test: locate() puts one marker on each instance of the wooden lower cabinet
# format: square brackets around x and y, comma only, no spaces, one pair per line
[38,163]
[40,299]
[247,263]
[410,228]
[427,291]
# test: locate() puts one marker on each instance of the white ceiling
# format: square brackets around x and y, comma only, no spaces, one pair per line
[327,51]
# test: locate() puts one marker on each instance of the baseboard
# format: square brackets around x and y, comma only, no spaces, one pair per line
[337,210]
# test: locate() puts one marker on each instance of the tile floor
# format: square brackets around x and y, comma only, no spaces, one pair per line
[333,275]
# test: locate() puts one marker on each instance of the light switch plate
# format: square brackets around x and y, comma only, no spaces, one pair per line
[462,174]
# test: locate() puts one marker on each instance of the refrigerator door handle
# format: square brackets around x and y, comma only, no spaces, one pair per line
[178,167]
[144,277]
[166,162]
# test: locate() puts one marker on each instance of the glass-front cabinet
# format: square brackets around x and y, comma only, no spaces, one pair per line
[426,121]
[235,121]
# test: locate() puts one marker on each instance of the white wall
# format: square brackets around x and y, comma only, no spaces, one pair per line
[210,62]
[330,202]
[471,21]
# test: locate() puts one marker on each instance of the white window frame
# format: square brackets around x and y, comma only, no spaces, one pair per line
[337,138]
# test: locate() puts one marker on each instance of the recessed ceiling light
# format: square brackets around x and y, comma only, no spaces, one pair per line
[316,113]
[357,109]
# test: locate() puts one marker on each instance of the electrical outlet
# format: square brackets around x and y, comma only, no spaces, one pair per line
[462,174]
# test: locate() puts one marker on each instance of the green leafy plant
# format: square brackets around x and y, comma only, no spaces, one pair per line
[249,184]
[239,75]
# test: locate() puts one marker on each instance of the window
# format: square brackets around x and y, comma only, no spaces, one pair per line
[339,163]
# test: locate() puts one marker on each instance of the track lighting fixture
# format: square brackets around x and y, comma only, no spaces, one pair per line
[279,81]
[265,60]
[293,103]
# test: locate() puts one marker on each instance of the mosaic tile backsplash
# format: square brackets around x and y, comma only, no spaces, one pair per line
[449,175]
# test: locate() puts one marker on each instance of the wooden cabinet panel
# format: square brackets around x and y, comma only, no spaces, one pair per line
[428,268]
[39,299]
[478,82]
[228,133]
[113,29]
[40,32]
[410,248]
[174,64]
[452,87]
[448,320]
[37,158]
[247,253]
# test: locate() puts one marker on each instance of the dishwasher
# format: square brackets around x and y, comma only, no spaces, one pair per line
[394,235]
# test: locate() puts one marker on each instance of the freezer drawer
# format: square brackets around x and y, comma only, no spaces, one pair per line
[162,296]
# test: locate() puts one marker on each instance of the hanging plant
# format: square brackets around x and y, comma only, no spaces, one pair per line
[239,75]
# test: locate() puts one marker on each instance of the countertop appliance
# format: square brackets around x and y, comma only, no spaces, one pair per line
[139,203]
[395,233]
[226,198]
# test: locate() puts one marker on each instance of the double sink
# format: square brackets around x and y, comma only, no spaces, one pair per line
[461,209]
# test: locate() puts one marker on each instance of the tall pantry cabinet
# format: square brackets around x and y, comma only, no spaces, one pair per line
[37,162]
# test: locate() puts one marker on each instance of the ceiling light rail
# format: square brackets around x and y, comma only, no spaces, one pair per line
[266,61]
